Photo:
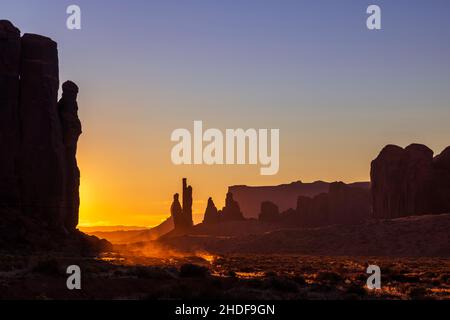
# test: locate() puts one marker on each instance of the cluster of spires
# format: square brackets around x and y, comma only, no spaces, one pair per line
[182,215]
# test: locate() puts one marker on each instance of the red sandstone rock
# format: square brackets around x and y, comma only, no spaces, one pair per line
[231,211]
[441,183]
[211,213]
[269,212]
[342,204]
[409,182]
[387,172]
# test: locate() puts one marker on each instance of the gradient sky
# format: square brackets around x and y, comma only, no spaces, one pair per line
[337,91]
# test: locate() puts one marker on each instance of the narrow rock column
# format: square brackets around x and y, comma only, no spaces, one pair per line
[211,214]
[176,211]
[71,131]
[187,205]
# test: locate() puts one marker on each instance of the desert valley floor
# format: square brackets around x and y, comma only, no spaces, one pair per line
[206,276]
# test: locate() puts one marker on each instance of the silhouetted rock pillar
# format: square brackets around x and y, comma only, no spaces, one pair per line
[187,205]
[9,117]
[71,130]
[211,213]
[177,212]
[42,151]
[231,211]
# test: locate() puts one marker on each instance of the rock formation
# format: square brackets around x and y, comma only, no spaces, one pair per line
[42,159]
[409,182]
[39,177]
[348,205]
[182,215]
[10,43]
[440,201]
[187,204]
[269,212]
[231,211]
[211,213]
[71,131]
[343,204]
[177,212]
[284,196]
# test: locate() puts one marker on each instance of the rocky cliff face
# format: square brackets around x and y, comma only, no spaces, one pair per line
[269,212]
[39,176]
[10,44]
[441,178]
[410,181]
[343,204]
[284,196]
[41,158]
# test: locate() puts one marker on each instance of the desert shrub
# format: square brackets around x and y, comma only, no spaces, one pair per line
[189,270]
[329,276]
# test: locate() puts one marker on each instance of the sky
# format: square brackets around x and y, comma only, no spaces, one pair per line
[337,91]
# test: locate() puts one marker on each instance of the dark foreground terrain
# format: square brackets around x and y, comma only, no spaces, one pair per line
[223,277]
[249,260]
[416,236]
